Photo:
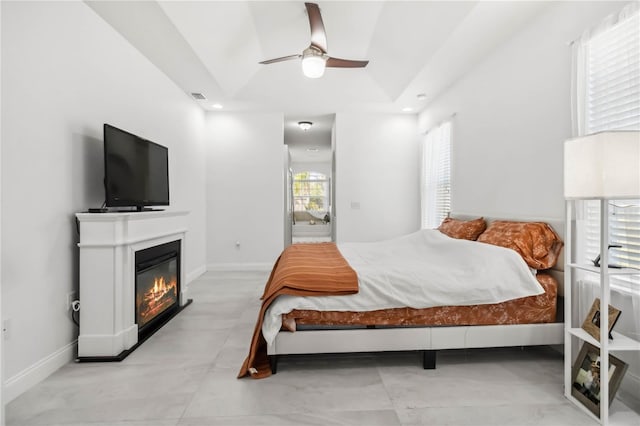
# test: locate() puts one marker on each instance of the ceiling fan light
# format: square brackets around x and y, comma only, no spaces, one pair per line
[313,66]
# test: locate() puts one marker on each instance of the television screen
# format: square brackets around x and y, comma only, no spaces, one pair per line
[136,171]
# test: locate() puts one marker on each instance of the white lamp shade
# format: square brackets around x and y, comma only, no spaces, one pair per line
[603,165]
[313,66]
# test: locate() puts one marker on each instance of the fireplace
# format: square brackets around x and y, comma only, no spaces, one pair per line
[114,249]
[157,286]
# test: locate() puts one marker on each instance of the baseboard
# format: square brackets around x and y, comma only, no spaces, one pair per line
[37,372]
[231,267]
[629,392]
[34,374]
[196,273]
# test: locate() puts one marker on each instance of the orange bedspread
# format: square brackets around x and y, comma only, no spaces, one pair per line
[301,270]
[526,310]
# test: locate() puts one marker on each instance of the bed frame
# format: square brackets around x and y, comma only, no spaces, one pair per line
[427,339]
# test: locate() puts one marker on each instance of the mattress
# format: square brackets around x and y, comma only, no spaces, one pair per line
[527,310]
[420,270]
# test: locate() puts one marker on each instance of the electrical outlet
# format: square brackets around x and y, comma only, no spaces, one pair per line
[6,329]
[71,296]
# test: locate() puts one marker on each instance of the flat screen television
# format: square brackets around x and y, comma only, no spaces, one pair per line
[136,171]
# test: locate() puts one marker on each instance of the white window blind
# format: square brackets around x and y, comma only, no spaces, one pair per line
[612,102]
[436,175]
[613,78]
[624,230]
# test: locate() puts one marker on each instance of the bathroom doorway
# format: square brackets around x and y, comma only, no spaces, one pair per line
[309,186]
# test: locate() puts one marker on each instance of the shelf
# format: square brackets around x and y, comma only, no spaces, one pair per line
[612,271]
[620,342]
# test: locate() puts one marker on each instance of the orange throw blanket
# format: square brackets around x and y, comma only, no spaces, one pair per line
[301,270]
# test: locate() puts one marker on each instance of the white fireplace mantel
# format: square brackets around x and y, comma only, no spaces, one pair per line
[108,243]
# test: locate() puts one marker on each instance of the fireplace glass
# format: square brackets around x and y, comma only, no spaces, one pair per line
[157,287]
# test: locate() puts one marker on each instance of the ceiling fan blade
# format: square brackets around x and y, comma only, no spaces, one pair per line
[318,35]
[282,59]
[345,63]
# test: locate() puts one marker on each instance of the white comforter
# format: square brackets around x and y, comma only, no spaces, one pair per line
[420,270]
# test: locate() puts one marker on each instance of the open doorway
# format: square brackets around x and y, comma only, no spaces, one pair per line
[311,206]
[310,183]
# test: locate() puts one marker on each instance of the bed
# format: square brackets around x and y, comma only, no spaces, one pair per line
[308,319]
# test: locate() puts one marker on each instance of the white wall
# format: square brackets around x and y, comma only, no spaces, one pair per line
[245,197]
[303,166]
[377,169]
[64,73]
[512,117]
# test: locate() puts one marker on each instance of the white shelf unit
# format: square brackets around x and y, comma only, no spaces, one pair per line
[619,342]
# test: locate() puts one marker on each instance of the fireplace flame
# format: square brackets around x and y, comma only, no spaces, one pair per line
[159,289]
[158,297]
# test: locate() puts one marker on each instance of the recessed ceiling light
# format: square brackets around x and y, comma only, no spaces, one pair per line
[421,96]
[217,106]
[407,109]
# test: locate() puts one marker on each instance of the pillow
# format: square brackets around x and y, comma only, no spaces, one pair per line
[463,229]
[537,242]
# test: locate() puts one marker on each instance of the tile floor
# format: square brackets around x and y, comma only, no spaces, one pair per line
[186,375]
[311,239]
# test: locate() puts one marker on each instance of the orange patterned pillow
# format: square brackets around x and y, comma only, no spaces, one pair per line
[463,229]
[537,242]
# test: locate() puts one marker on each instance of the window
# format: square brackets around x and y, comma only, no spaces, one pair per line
[624,230]
[610,89]
[311,193]
[436,175]
[613,78]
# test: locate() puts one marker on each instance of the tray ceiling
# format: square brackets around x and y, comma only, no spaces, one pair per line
[213,48]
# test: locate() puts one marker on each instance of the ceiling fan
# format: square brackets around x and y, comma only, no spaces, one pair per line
[315,57]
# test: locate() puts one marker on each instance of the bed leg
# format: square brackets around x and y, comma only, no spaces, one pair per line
[273,363]
[429,360]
